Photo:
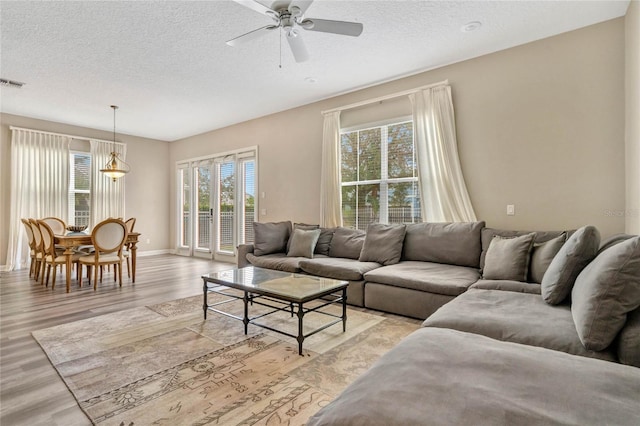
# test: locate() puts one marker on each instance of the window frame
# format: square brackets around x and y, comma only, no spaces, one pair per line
[71,214]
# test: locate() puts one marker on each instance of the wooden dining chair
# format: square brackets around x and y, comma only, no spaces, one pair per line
[131,222]
[37,246]
[57,225]
[31,241]
[108,239]
[52,257]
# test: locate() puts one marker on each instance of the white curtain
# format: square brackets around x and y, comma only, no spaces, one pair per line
[107,196]
[444,196]
[39,186]
[330,182]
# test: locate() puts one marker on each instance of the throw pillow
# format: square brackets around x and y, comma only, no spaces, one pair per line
[383,244]
[304,226]
[542,255]
[270,237]
[346,243]
[303,242]
[324,242]
[508,258]
[629,340]
[605,291]
[574,255]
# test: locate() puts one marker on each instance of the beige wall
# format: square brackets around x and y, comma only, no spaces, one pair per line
[147,196]
[632,123]
[540,126]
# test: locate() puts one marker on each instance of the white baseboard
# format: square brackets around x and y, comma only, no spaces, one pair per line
[153,252]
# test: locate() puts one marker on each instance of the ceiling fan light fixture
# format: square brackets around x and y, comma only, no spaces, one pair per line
[115,167]
[307,24]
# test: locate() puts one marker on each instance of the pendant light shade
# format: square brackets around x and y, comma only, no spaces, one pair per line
[115,167]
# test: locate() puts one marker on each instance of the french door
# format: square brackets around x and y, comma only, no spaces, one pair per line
[217,204]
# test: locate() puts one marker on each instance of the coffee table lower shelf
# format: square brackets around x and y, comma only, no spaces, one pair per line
[277,303]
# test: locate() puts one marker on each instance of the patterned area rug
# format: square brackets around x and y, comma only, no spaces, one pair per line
[164,365]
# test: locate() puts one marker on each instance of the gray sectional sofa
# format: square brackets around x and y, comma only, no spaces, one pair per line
[540,328]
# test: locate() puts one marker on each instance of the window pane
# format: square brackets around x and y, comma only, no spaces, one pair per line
[82,171]
[349,156]
[404,203]
[186,206]
[349,206]
[369,155]
[368,205]
[204,206]
[227,205]
[81,202]
[249,200]
[401,158]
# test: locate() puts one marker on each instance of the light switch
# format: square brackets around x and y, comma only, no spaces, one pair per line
[262,195]
[263,212]
[511,210]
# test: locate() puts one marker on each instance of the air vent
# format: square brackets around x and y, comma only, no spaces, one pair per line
[10,83]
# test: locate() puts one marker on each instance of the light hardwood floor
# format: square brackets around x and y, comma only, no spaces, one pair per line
[31,392]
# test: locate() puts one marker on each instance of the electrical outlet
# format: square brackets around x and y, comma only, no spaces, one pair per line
[263,212]
[511,210]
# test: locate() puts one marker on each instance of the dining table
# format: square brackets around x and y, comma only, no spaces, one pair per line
[76,239]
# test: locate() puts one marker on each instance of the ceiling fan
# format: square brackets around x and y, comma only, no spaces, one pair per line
[290,19]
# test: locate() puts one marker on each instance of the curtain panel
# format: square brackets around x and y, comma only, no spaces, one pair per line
[39,186]
[443,192]
[330,181]
[107,196]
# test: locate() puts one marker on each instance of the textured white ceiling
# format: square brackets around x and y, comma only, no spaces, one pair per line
[166,64]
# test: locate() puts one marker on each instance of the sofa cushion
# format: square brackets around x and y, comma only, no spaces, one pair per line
[575,254]
[487,235]
[508,258]
[507,285]
[383,244]
[337,268]
[514,317]
[303,242]
[447,377]
[324,241]
[432,277]
[612,241]
[605,291]
[542,255]
[456,243]
[346,243]
[629,340]
[277,261]
[270,237]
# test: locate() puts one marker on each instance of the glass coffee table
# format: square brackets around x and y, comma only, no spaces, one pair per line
[280,291]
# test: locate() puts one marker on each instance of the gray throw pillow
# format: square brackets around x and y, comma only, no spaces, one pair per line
[605,291]
[383,244]
[575,254]
[303,226]
[629,340]
[346,243]
[324,242]
[542,255]
[303,242]
[270,237]
[508,258]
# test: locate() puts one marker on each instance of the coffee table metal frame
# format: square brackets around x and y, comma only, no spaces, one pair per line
[277,303]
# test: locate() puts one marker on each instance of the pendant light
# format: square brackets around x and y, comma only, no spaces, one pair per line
[115,167]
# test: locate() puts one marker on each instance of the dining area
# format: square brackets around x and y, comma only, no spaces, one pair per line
[54,247]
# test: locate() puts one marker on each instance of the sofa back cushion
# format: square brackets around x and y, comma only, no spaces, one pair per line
[347,243]
[324,241]
[629,340]
[575,254]
[455,243]
[383,244]
[270,237]
[542,255]
[605,292]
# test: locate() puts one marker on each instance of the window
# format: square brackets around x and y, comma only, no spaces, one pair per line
[79,188]
[379,175]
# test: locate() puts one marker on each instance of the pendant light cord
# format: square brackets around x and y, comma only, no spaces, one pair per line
[115,107]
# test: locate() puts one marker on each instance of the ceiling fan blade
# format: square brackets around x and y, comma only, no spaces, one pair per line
[252,35]
[297,46]
[353,29]
[302,5]
[258,7]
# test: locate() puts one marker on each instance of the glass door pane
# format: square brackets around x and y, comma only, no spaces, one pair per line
[226,209]
[249,201]
[184,177]
[203,224]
